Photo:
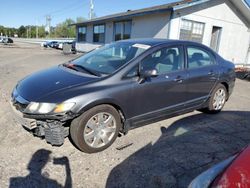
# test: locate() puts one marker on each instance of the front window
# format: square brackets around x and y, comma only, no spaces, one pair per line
[110,58]
[82,34]
[99,33]
[164,60]
[191,30]
[122,30]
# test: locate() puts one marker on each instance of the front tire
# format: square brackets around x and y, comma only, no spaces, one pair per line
[96,129]
[217,100]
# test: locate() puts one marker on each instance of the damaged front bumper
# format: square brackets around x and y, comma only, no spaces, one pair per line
[53,128]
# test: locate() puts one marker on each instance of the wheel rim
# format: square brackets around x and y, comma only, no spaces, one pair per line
[219,99]
[99,130]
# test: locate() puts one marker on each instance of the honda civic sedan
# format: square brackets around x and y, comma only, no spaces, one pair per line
[121,86]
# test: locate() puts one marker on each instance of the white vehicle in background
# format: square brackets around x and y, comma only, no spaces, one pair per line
[6,40]
[60,46]
[1,39]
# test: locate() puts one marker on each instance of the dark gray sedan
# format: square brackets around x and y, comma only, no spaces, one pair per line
[120,86]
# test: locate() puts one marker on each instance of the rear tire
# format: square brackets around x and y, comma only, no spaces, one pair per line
[96,129]
[217,100]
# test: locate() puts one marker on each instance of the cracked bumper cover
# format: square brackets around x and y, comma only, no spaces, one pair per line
[50,127]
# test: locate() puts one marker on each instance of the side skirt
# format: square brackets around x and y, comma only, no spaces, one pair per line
[153,117]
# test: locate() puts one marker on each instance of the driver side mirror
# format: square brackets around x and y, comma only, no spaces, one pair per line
[149,73]
[144,74]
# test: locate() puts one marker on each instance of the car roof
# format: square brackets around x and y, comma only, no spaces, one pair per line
[156,41]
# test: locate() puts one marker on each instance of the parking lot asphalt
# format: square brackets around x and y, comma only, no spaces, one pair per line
[168,153]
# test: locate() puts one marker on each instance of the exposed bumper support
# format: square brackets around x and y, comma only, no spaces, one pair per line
[53,131]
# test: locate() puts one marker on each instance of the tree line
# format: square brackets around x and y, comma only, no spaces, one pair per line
[61,30]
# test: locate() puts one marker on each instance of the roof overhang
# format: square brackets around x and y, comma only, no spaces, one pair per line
[135,13]
[121,17]
[189,4]
[243,8]
[240,6]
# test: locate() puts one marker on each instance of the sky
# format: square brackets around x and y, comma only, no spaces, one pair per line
[32,12]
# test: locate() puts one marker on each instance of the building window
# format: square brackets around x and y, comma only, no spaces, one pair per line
[82,34]
[122,30]
[191,30]
[99,33]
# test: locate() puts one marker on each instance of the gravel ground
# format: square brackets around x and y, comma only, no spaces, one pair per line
[169,153]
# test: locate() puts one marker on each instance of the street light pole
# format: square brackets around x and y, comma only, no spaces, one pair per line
[91,9]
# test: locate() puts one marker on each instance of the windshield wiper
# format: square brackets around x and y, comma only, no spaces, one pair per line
[70,66]
[76,67]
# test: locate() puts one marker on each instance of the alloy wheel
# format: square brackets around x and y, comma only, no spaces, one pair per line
[219,99]
[99,130]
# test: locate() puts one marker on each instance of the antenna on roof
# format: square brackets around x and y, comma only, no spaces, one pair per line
[91,11]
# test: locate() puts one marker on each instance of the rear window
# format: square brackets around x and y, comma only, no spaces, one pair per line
[198,57]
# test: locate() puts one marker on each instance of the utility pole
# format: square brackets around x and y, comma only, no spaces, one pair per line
[36,30]
[91,11]
[30,32]
[48,21]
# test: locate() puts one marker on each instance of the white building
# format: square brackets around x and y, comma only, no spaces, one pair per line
[221,24]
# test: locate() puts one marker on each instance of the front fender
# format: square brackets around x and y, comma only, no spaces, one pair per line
[84,107]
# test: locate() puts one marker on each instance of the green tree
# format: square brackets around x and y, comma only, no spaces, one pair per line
[65,29]
[41,32]
[21,31]
[80,19]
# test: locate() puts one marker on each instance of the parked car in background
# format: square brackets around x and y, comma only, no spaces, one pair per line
[1,39]
[60,45]
[45,44]
[7,40]
[51,44]
[56,45]
[231,173]
[121,86]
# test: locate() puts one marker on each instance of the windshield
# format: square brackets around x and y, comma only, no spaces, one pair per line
[109,58]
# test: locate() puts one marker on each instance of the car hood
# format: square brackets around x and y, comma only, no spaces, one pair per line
[47,82]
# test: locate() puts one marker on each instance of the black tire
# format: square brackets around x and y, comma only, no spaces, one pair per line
[211,109]
[78,125]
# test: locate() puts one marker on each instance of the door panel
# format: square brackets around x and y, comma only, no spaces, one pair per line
[202,74]
[159,93]
[166,90]
[201,81]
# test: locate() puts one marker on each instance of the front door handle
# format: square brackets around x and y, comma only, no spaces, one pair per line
[211,73]
[178,79]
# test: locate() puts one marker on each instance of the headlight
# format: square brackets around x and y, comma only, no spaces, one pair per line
[44,108]
[63,107]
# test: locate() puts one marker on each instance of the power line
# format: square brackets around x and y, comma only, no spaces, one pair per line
[70,10]
[65,8]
